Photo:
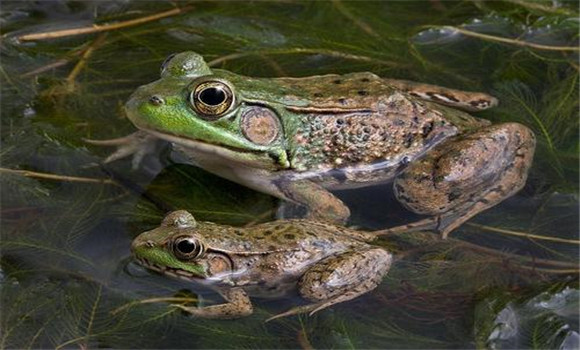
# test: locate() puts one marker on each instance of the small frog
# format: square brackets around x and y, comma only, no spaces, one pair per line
[299,138]
[325,263]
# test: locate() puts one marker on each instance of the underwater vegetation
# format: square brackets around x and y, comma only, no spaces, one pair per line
[508,278]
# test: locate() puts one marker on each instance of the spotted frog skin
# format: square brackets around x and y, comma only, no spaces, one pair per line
[325,263]
[299,138]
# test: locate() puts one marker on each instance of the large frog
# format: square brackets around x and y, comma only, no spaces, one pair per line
[325,263]
[298,138]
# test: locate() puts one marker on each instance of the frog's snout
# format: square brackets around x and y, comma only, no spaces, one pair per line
[136,245]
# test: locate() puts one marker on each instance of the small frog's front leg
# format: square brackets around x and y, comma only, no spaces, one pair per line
[238,305]
[340,278]
[322,205]
[464,176]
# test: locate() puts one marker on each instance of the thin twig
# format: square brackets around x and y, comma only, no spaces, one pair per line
[523,234]
[151,301]
[299,50]
[34,174]
[100,28]
[52,65]
[303,340]
[70,79]
[509,41]
[358,22]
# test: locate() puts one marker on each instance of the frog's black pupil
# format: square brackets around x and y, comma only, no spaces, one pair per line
[186,246]
[212,96]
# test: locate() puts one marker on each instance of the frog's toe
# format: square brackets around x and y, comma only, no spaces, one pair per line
[295,311]
[137,145]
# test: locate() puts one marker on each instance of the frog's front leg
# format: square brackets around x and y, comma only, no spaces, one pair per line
[464,176]
[137,145]
[238,305]
[340,278]
[322,205]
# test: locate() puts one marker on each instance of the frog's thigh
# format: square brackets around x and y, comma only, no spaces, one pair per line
[462,177]
[343,277]
[238,305]
[340,278]
[321,204]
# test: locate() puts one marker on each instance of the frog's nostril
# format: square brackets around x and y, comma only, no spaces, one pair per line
[156,100]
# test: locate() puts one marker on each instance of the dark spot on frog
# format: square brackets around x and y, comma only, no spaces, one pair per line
[453,196]
[338,175]
[259,238]
[239,232]
[408,140]
[405,161]
[449,97]
[337,81]
[156,100]
[267,232]
[479,103]
[342,101]
[363,92]
[427,128]
[400,189]
[289,236]
[399,122]
[339,122]
[366,129]
[365,80]
[317,94]
[415,119]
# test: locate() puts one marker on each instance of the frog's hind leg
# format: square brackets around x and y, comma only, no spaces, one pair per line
[340,278]
[464,176]
[466,100]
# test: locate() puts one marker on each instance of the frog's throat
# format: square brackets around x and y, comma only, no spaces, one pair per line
[256,159]
[170,271]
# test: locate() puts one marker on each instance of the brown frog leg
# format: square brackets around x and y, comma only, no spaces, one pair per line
[137,145]
[238,305]
[340,278]
[466,100]
[322,205]
[464,176]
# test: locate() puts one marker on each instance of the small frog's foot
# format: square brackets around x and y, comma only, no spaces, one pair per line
[238,305]
[421,225]
[137,145]
[310,309]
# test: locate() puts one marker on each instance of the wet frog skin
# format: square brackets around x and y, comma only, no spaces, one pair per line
[299,138]
[327,264]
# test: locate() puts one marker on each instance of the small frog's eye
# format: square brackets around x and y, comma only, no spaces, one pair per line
[211,98]
[166,62]
[187,248]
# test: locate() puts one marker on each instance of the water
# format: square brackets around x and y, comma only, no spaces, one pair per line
[67,277]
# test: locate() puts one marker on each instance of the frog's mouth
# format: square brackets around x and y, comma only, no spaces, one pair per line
[245,157]
[169,271]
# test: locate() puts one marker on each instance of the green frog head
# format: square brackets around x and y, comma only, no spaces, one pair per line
[208,110]
[173,248]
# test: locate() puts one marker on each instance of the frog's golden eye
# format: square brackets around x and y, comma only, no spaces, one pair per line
[211,99]
[187,248]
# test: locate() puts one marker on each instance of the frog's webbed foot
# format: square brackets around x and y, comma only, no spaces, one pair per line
[462,177]
[238,305]
[137,145]
[322,205]
[340,278]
